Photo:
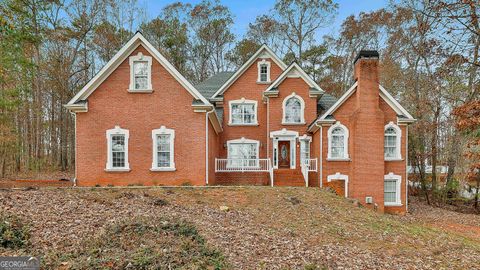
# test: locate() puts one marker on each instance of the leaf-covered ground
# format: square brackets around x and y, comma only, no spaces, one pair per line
[263,228]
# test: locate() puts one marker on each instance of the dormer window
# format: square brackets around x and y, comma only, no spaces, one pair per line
[263,72]
[140,73]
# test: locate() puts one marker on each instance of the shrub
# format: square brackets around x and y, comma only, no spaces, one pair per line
[14,233]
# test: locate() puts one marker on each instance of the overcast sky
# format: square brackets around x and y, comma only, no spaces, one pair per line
[245,11]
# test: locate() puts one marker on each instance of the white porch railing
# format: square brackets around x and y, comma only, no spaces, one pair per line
[244,165]
[308,165]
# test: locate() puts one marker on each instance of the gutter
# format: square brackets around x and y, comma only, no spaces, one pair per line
[206,144]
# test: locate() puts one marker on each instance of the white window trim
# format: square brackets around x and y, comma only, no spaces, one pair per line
[109,133]
[345,143]
[140,57]
[398,152]
[259,64]
[243,101]
[339,176]
[163,131]
[398,178]
[242,141]
[302,110]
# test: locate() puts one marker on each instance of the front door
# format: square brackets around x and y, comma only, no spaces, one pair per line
[284,154]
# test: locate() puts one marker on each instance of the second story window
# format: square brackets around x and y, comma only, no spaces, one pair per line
[243,112]
[140,73]
[392,142]
[263,72]
[338,142]
[293,110]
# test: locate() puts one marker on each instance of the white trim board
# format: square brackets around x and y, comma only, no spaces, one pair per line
[120,56]
[294,71]
[246,65]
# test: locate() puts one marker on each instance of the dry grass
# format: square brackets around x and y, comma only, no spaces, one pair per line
[265,228]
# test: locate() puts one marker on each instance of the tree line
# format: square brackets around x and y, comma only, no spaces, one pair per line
[49,49]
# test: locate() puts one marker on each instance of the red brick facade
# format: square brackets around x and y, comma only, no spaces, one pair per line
[198,142]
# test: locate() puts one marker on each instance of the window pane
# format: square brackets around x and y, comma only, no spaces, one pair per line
[242,154]
[141,82]
[118,143]
[243,113]
[140,67]
[163,159]
[163,150]
[390,191]
[118,159]
[293,110]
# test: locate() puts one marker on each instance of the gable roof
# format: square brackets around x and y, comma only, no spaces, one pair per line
[295,70]
[246,65]
[402,114]
[119,57]
[209,86]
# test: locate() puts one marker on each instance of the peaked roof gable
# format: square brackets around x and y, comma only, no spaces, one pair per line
[137,40]
[295,70]
[246,65]
[387,97]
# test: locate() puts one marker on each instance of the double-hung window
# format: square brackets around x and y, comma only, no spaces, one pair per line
[392,142]
[392,189]
[338,142]
[242,153]
[140,73]
[163,149]
[263,72]
[243,112]
[117,149]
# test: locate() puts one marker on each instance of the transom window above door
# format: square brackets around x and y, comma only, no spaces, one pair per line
[243,112]
[140,73]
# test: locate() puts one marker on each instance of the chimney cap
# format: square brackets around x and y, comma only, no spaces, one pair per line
[367,54]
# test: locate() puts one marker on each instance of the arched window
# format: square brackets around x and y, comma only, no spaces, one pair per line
[338,142]
[392,142]
[293,110]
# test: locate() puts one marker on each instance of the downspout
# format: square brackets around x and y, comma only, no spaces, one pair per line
[268,128]
[406,169]
[321,154]
[75,148]
[206,145]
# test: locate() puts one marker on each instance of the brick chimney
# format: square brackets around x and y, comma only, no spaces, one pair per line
[366,74]
[368,133]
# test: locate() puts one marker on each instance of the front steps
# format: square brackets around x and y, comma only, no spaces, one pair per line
[288,177]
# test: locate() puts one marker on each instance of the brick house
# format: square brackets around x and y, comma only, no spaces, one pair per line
[140,122]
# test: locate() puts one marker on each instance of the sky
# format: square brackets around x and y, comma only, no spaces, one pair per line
[245,11]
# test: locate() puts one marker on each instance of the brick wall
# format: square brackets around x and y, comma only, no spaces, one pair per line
[169,105]
[246,87]
[365,115]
